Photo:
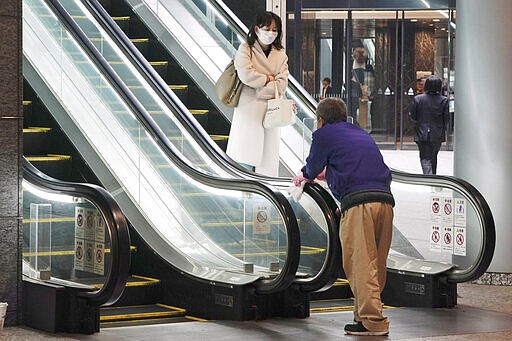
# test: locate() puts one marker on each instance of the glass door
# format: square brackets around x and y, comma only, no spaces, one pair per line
[372,79]
[426,50]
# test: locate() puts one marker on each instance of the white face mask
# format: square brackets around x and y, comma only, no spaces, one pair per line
[266,37]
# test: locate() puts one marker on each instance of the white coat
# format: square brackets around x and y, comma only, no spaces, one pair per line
[249,142]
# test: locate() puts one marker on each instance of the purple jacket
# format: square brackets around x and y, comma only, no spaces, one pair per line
[353,160]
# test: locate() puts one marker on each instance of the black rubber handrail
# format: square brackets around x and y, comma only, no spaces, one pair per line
[115,221]
[483,212]
[265,286]
[480,204]
[328,206]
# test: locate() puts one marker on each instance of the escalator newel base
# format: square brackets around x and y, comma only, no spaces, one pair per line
[55,309]
[419,290]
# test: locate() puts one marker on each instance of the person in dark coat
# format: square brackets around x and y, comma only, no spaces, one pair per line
[327,89]
[431,114]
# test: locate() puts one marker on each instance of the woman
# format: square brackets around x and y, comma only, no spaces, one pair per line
[260,63]
[430,111]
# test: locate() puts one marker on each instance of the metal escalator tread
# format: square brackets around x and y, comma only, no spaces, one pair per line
[138,312]
[143,322]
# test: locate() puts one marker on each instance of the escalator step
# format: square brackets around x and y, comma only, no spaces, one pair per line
[144,322]
[332,305]
[139,312]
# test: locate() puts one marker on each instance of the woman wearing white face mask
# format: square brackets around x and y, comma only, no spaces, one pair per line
[260,63]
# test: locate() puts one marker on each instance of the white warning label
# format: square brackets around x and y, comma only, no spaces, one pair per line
[99,258]
[435,209]
[261,219]
[79,254]
[460,213]
[447,240]
[435,238]
[447,211]
[459,246]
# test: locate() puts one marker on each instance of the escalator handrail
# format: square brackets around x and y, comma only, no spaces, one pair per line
[115,221]
[264,286]
[328,206]
[480,204]
[482,210]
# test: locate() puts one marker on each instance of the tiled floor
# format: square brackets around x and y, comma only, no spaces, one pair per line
[484,313]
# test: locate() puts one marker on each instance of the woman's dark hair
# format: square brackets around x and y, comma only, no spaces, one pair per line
[265,19]
[433,85]
[332,110]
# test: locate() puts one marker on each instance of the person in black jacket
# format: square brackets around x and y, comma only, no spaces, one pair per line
[327,89]
[430,112]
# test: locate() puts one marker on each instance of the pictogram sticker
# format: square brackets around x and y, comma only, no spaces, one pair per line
[447,240]
[435,238]
[459,218]
[459,247]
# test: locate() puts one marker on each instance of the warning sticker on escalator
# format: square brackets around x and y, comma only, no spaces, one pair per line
[460,212]
[447,240]
[435,238]
[459,247]
[261,219]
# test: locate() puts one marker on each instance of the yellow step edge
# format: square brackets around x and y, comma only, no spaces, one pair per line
[160,63]
[198,319]
[113,323]
[199,111]
[178,86]
[331,309]
[219,137]
[276,253]
[340,282]
[171,307]
[147,281]
[119,62]
[122,18]
[36,130]
[27,102]
[344,308]
[160,314]
[63,252]
[49,157]
[133,40]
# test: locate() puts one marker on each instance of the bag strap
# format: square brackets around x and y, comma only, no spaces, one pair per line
[277,95]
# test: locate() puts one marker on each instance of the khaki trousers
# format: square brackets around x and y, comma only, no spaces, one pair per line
[365,233]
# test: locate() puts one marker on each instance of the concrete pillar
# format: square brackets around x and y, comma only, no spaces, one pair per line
[483,112]
[11,125]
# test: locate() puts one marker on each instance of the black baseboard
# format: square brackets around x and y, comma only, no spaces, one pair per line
[55,309]
[419,290]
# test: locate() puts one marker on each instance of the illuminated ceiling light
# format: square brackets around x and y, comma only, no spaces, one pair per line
[436,20]
[414,20]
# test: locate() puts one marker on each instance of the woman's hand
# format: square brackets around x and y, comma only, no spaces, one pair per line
[271,78]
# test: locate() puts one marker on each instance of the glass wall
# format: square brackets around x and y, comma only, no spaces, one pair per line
[377,62]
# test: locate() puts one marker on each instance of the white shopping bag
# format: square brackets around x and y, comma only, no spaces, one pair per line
[280,111]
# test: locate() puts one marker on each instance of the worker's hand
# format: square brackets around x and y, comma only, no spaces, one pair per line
[298,179]
[321,176]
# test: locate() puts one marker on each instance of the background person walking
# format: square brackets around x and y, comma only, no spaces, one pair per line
[431,114]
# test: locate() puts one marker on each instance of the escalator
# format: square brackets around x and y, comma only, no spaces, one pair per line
[68,80]
[59,263]
[202,36]
[236,242]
